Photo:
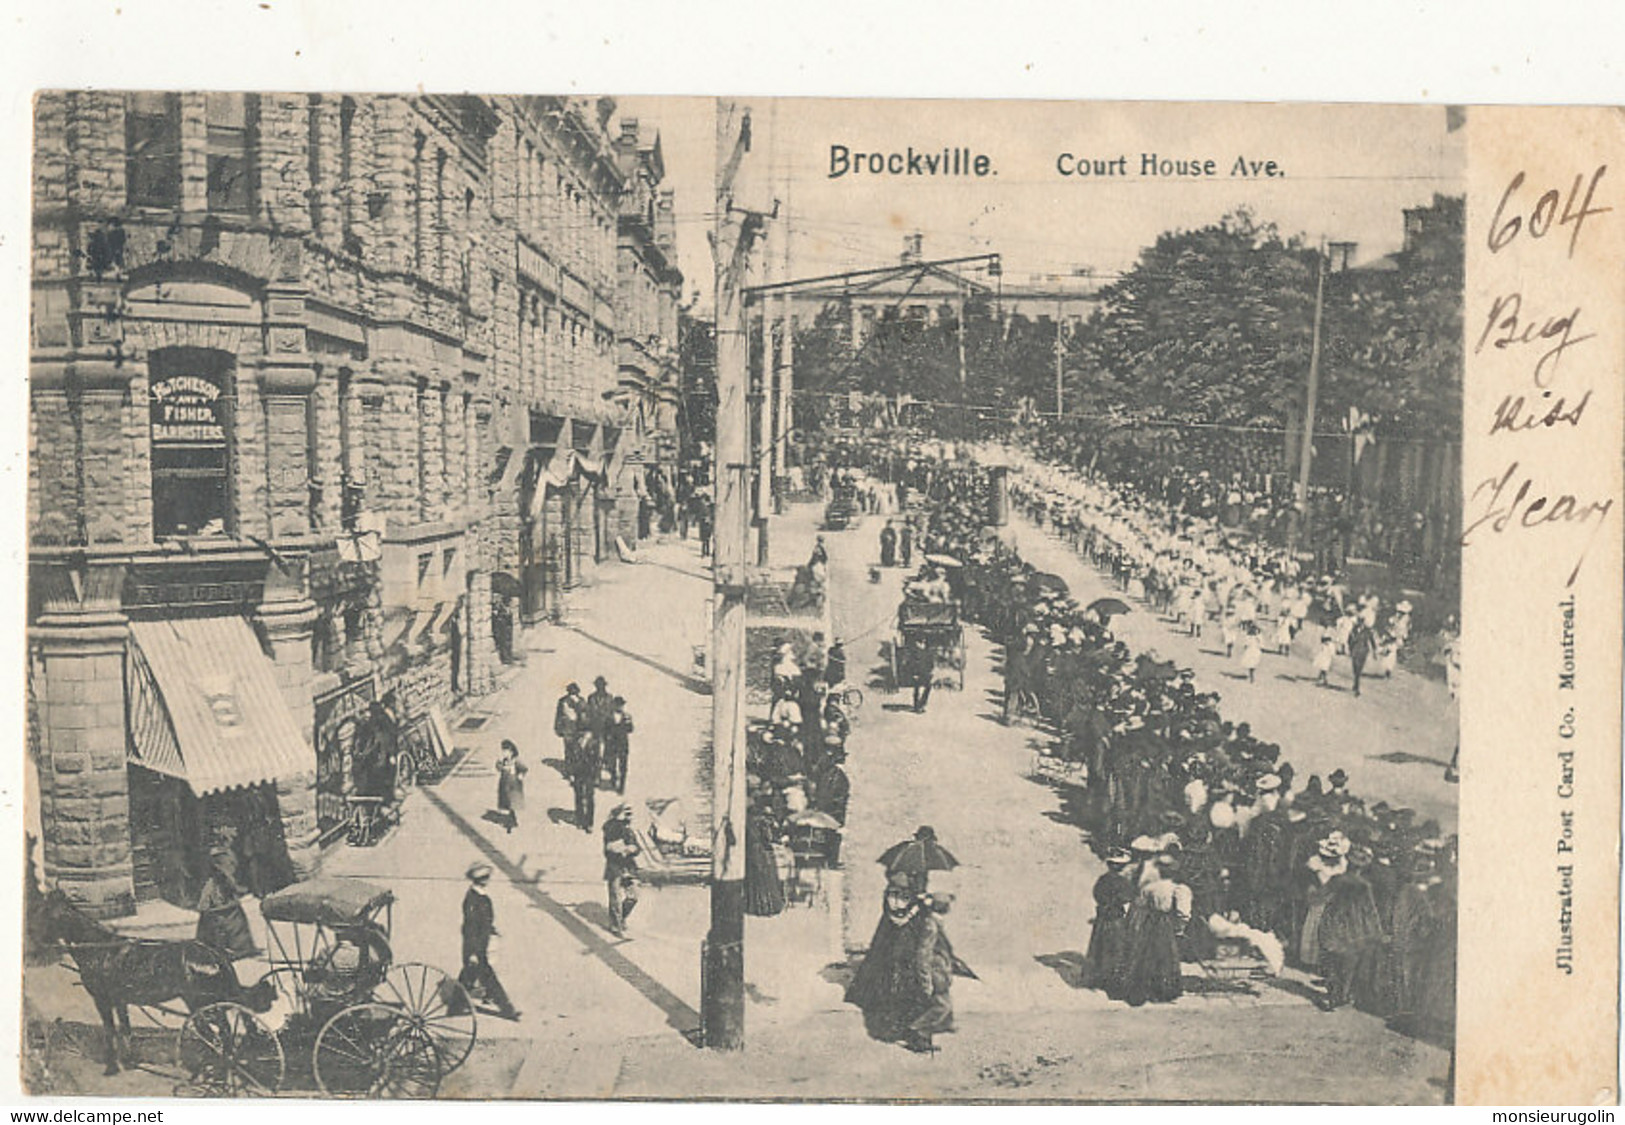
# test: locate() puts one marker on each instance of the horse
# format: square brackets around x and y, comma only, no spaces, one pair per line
[119,971]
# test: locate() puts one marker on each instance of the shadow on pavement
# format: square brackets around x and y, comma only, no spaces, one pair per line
[698,687]
[1070,965]
[678,1014]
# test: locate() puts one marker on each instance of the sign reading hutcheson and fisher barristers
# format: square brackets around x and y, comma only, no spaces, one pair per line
[186,411]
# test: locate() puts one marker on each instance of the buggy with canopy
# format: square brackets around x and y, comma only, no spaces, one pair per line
[347,1013]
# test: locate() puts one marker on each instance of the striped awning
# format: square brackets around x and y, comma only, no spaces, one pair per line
[229,725]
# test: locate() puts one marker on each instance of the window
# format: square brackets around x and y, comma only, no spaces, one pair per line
[441,229]
[152,128]
[230,122]
[314,158]
[190,403]
[419,190]
[348,191]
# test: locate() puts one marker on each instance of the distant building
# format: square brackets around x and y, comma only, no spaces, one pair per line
[917,288]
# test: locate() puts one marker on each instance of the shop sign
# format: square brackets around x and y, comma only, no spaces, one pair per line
[186,411]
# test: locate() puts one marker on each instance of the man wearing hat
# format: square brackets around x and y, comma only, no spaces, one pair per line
[618,744]
[600,705]
[581,752]
[479,926]
[569,716]
[621,850]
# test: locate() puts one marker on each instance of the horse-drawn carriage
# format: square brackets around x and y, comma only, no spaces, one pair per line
[929,630]
[335,1010]
[365,1024]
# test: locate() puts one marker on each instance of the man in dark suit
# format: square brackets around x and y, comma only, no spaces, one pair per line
[618,744]
[479,925]
[919,667]
[580,754]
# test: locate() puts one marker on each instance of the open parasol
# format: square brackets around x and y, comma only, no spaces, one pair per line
[816,818]
[943,560]
[1052,582]
[1147,668]
[918,854]
[1108,607]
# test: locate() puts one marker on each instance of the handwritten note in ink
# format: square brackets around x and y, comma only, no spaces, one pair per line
[1541,581]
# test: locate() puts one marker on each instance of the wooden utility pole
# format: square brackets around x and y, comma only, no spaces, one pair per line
[1300,512]
[722,1004]
[1060,354]
[762,457]
[787,363]
[961,334]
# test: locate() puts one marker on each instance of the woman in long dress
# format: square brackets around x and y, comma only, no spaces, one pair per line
[930,963]
[1155,922]
[764,890]
[874,987]
[222,923]
[510,783]
[1328,862]
[1108,932]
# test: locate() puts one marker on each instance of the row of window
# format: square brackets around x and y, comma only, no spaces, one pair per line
[153,148]
[192,429]
[548,200]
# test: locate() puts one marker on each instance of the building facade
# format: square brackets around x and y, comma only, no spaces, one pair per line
[311,377]
[649,290]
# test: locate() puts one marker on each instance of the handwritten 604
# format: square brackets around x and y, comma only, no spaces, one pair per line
[1508,225]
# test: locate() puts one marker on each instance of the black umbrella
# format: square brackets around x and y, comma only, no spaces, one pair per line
[505,585]
[918,854]
[1108,607]
[1148,669]
[1055,582]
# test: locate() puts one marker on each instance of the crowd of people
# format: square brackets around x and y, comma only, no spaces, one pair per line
[1260,597]
[1246,485]
[796,773]
[1212,840]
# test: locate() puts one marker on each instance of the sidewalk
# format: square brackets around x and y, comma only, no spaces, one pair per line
[584,993]
[608,1017]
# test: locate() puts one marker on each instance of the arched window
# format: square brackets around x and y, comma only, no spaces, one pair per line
[191,399]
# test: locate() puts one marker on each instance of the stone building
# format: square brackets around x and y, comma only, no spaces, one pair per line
[307,373]
[555,187]
[649,289]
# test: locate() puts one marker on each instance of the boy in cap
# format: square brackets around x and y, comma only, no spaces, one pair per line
[479,926]
[621,850]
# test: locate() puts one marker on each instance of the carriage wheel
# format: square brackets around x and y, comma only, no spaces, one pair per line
[406,770]
[375,1051]
[437,1003]
[852,700]
[226,1050]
